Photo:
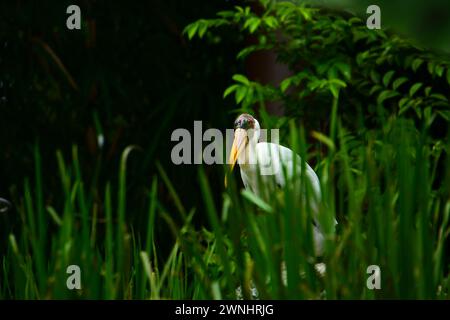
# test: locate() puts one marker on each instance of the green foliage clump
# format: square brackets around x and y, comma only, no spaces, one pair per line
[334,55]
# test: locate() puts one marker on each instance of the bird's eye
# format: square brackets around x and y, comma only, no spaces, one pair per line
[242,123]
[238,124]
[245,124]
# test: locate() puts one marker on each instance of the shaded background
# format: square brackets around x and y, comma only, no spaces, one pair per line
[128,75]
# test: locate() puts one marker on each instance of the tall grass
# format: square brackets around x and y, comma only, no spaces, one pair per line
[379,186]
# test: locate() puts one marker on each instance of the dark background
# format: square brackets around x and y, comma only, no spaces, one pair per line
[129,74]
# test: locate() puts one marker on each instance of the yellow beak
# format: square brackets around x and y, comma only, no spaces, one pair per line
[239,144]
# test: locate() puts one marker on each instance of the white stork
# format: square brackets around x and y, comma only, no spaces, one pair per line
[273,165]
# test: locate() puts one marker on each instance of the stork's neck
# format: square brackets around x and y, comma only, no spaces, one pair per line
[249,156]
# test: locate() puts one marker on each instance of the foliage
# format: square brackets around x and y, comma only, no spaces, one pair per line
[332,54]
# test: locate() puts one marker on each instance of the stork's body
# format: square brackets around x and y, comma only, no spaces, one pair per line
[278,162]
[272,165]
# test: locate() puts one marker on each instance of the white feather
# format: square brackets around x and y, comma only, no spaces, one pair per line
[275,165]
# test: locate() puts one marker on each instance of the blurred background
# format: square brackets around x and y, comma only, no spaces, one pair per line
[427,22]
[128,77]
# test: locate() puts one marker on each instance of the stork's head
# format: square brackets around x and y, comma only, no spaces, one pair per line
[246,121]
[246,130]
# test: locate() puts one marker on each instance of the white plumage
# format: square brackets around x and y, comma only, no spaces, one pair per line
[272,165]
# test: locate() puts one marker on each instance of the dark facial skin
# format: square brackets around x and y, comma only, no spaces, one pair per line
[244,121]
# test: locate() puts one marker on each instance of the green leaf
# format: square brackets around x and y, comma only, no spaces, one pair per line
[249,95]
[415,88]
[240,94]
[191,30]
[397,83]
[54,215]
[338,82]
[335,85]
[403,110]
[230,89]
[252,24]
[439,96]
[271,22]
[306,13]
[440,104]
[385,95]
[431,67]
[439,70]
[257,201]
[355,20]
[239,9]
[448,76]
[444,114]
[416,64]
[387,78]
[334,90]
[202,29]
[246,51]
[241,78]
[429,115]
[375,88]
[345,69]
[361,57]
[324,139]
[226,14]
[285,84]
[315,83]
[402,102]
[375,76]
